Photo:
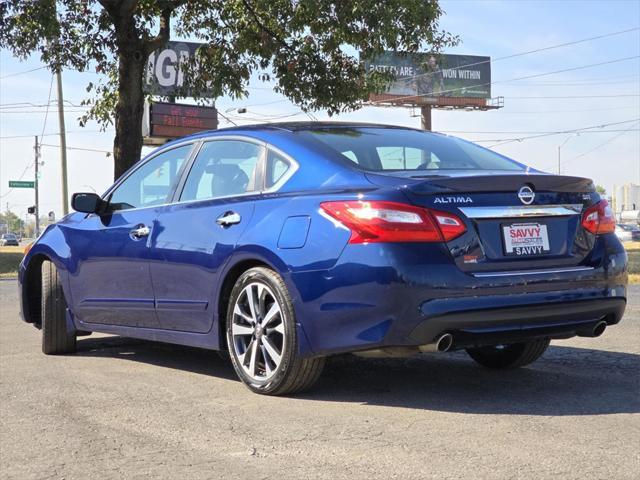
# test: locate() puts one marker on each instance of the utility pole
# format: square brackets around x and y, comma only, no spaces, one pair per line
[35,184]
[63,145]
[559,148]
[425,117]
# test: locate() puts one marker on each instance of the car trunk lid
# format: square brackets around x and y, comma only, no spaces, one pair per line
[514,221]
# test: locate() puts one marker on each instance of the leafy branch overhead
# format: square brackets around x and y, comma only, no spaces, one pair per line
[311,46]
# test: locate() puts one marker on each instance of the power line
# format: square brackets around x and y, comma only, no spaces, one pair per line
[23,72]
[564,70]
[528,52]
[9,137]
[520,132]
[14,105]
[570,84]
[492,140]
[561,132]
[571,96]
[227,118]
[44,126]
[77,148]
[24,172]
[540,112]
[615,137]
[46,113]
[3,112]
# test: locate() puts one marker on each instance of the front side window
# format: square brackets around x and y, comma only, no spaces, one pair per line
[223,168]
[152,183]
[397,149]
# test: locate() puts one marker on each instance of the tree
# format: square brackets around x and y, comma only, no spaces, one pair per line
[601,190]
[309,45]
[13,221]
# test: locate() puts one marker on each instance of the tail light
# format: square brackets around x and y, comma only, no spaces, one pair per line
[599,218]
[379,221]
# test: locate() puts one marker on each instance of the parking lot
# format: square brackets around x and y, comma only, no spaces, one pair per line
[123,408]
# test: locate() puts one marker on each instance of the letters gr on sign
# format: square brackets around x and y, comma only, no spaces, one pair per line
[165,77]
[434,75]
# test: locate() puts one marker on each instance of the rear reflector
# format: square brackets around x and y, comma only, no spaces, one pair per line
[379,221]
[599,218]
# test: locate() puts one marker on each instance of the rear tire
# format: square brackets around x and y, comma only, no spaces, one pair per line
[514,355]
[276,367]
[56,338]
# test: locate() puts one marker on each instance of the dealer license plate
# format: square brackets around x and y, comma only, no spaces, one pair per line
[525,239]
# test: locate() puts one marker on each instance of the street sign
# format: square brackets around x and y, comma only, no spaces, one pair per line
[21,184]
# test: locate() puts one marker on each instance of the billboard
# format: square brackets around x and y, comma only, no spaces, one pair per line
[434,75]
[164,75]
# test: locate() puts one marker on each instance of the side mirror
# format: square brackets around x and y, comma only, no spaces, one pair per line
[86,202]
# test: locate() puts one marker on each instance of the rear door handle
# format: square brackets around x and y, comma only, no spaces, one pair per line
[228,218]
[139,232]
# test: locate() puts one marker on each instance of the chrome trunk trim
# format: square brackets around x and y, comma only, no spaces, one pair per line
[532,272]
[524,211]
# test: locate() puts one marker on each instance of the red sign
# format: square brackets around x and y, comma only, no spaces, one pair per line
[172,120]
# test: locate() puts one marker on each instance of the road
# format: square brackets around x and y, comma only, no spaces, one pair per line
[123,408]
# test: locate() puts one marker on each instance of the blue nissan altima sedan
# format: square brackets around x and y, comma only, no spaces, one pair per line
[287,243]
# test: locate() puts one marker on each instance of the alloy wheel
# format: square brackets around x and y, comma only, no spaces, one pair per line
[258,331]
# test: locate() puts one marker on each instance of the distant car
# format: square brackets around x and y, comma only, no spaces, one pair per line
[9,239]
[627,232]
[287,243]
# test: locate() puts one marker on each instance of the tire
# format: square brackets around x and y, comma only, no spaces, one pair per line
[56,338]
[509,356]
[265,372]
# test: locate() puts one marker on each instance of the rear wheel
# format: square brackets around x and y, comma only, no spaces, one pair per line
[56,337]
[513,355]
[262,336]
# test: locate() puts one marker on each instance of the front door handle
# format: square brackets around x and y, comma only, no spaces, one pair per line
[139,232]
[228,218]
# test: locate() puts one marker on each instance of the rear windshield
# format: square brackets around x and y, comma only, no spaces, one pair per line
[381,149]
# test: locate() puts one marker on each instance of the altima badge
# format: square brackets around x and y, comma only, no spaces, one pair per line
[526,195]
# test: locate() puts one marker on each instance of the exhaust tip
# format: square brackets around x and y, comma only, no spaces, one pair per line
[599,328]
[445,342]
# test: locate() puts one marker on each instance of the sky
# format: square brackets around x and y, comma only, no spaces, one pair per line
[609,155]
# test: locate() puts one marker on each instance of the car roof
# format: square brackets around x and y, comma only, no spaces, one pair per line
[297,126]
[290,127]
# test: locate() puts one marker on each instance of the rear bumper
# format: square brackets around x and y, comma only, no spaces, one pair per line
[399,295]
[524,319]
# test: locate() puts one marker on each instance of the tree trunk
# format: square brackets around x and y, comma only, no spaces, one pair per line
[127,144]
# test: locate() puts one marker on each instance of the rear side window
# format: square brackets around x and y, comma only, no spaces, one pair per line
[397,149]
[277,166]
[223,168]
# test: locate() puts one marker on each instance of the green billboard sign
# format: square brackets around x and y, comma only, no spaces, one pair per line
[21,184]
[435,75]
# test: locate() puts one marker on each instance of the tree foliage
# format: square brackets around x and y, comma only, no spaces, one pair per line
[310,46]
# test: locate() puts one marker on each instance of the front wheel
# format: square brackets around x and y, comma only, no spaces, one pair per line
[513,355]
[262,336]
[56,337]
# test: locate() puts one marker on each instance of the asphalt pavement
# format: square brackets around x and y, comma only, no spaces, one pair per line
[125,408]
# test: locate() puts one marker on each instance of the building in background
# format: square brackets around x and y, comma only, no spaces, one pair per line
[626,202]
[626,197]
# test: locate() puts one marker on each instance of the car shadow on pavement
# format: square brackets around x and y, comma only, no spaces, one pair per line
[195,360]
[565,381]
